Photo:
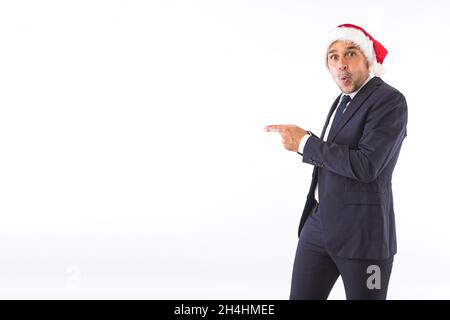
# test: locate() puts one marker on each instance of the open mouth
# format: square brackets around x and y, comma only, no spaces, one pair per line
[345,79]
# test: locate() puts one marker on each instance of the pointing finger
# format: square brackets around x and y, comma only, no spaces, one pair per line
[274,128]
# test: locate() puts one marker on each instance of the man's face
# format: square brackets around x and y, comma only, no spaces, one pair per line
[347,65]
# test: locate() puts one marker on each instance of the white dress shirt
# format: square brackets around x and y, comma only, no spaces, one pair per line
[306,137]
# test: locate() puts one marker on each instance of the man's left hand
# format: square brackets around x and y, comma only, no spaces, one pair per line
[290,134]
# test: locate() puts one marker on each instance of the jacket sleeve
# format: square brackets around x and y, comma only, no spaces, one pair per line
[383,133]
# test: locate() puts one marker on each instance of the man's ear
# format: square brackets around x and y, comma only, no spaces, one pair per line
[367,61]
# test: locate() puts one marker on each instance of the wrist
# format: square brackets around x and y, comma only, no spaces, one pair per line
[303,142]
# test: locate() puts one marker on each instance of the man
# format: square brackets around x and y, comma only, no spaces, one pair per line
[347,227]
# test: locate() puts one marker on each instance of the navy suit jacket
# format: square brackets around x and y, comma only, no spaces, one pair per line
[354,168]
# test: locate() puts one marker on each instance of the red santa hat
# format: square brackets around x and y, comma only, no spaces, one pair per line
[371,48]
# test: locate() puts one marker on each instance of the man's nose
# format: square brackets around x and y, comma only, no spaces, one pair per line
[342,64]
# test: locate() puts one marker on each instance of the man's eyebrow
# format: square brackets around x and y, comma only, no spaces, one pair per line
[347,49]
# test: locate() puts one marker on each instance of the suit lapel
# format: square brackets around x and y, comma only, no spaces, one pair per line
[312,187]
[335,103]
[354,105]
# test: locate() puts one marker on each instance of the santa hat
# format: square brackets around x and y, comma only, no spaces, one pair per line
[371,48]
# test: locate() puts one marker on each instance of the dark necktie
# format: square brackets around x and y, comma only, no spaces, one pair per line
[340,112]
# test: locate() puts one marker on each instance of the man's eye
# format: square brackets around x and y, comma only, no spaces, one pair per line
[351,54]
[333,57]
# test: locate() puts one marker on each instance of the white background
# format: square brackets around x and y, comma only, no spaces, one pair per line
[133,161]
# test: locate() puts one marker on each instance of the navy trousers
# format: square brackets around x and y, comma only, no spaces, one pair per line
[316,270]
